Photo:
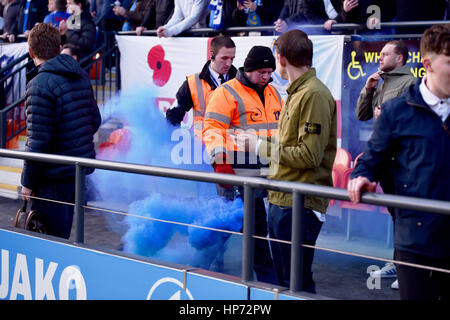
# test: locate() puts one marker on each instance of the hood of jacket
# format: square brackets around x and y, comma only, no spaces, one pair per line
[404,70]
[63,65]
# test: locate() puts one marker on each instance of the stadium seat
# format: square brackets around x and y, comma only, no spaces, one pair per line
[361,206]
[342,162]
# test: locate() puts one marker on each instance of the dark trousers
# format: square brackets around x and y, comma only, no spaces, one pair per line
[280,227]
[422,284]
[56,217]
[263,263]
[264,267]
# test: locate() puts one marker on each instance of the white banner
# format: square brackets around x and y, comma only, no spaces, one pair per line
[162,64]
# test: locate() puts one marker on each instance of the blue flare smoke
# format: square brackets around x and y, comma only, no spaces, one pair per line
[147,198]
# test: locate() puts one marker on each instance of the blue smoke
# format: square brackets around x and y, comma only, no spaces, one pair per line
[147,198]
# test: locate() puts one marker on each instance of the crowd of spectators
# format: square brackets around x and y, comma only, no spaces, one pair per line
[172,17]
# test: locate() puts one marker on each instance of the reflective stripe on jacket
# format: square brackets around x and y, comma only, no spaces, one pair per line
[235,108]
[201,92]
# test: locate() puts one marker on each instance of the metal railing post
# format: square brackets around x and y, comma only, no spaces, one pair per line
[298,238]
[117,56]
[248,243]
[79,203]
[2,129]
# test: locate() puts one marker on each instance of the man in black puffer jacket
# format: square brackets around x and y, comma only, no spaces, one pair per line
[62,118]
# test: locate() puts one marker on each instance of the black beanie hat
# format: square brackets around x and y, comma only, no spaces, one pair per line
[259,57]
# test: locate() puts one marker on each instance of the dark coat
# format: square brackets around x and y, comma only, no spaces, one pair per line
[268,13]
[422,10]
[184,97]
[307,11]
[136,16]
[36,13]
[84,37]
[359,13]
[420,142]
[62,118]
[11,18]
[158,14]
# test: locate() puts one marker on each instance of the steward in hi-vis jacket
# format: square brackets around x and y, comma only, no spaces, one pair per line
[246,103]
[197,89]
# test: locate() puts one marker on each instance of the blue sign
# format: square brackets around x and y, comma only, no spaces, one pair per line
[36,267]
[266,294]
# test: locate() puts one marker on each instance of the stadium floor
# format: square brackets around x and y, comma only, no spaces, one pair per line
[337,276]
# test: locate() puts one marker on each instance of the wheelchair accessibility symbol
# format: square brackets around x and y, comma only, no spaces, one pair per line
[354,69]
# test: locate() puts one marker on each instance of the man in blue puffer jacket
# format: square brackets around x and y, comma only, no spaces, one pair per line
[62,118]
[415,129]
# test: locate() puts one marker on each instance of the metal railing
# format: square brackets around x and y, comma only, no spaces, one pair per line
[106,79]
[105,82]
[299,190]
[12,115]
[335,28]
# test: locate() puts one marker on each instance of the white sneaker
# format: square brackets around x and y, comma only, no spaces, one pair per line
[394,285]
[388,271]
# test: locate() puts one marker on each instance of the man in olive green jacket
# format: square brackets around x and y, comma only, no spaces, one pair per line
[396,77]
[303,151]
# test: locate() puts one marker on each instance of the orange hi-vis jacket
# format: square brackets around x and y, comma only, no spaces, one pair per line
[201,93]
[233,109]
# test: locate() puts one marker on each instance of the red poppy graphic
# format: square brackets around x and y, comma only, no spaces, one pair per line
[161,68]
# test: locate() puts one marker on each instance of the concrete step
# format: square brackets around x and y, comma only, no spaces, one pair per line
[10,177]
[10,173]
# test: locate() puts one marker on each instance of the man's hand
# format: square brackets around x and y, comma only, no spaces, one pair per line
[119,11]
[26,193]
[220,166]
[377,112]
[139,30]
[327,25]
[245,141]
[161,32]
[63,27]
[349,4]
[373,80]
[281,26]
[250,5]
[358,185]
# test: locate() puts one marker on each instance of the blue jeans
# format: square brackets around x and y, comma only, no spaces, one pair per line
[280,227]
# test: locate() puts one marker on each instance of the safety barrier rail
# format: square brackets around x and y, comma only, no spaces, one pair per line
[299,190]
[11,116]
[100,65]
[338,27]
